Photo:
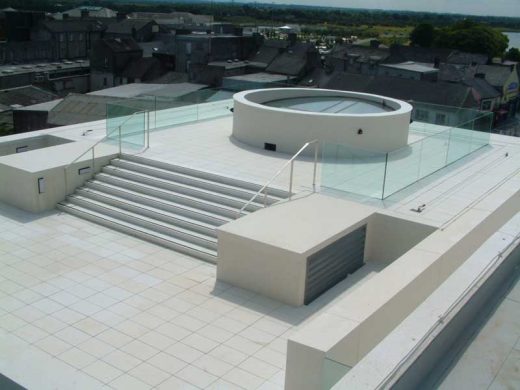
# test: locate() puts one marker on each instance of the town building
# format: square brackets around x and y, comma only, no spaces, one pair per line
[109,58]
[70,39]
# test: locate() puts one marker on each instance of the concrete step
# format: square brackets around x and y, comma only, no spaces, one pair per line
[212,207]
[254,187]
[190,181]
[140,232]
[182,234]
[150,212]
[201,193]
[158,203]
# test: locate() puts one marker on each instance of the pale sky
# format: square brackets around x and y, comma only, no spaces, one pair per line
[470,7]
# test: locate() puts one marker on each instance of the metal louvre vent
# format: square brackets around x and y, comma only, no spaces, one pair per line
[333,263]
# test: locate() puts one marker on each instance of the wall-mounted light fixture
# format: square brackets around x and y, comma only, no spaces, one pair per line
[41,185]
[84,170]
[360,131]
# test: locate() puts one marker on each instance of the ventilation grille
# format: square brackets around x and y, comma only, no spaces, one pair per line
[334,263]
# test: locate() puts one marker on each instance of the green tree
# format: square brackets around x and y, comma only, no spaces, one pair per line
[472,37]
[423,35]
[513,54]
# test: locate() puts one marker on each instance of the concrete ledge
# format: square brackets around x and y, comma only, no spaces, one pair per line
[359,322]
[19,174]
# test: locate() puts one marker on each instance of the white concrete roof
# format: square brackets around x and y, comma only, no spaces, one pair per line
[85,305]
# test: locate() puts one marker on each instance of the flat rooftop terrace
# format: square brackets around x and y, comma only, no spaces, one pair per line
[81,304]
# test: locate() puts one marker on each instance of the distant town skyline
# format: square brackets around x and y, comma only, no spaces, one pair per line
[469,7]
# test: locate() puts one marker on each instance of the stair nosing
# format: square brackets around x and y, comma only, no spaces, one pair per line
[181,230]
[141,229]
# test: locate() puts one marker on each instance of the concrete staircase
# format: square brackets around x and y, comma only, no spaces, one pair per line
[177,207]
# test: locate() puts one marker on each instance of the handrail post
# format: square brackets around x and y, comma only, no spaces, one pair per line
[93,162]
[148,132]
[66,181]
[119,140]
[316,146]
[384,178]
[265,197]
[291,179]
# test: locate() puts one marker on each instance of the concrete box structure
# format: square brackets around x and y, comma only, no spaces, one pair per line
[270,251]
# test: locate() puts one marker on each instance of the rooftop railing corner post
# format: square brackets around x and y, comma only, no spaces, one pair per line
[448,148]
[265,197]
[291,179]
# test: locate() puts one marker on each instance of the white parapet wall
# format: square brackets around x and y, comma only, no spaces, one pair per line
[36,180]
[255,123]
[348,330]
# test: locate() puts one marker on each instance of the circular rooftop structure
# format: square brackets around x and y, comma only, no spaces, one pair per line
[283,119]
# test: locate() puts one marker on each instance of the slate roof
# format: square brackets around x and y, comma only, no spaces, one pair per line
[265,55]
[138,69]
[77,108]
[118,45]
[361,53]
[293,61]
[452,73]
[495,75]
[125,26]
[75,25]
[464,58]
[400,54]
[25,96]
[442,93]
[482,88]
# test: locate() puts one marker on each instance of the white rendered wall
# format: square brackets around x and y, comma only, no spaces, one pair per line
[19,174]
[256,124]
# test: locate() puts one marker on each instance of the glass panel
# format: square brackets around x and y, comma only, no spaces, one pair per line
[352,170]
[403,168]
[132,123]
[133,130]
[214,109]
[433,152]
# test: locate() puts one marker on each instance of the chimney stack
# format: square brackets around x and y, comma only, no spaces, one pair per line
[292,37]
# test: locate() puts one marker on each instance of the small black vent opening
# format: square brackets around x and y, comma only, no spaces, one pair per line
[271,147]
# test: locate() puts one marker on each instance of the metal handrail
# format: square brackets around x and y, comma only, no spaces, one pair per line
[290,162]
[92,147]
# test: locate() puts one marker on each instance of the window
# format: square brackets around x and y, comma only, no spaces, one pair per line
[440,119]
[486,105]
[80,36]
[421,115]
[71,37]
[62,37]
[105,82]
